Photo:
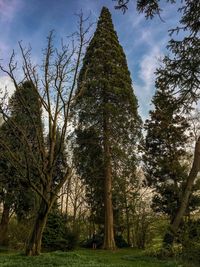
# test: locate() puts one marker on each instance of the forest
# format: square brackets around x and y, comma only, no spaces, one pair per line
[85,180]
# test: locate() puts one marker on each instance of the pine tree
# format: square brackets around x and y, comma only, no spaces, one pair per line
[107,110]
[165,158]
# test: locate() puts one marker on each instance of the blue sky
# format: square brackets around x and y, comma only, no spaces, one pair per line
[143,41]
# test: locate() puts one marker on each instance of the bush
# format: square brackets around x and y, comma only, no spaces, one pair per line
[120,242]
[56,236]
[18,233]
[54,231]
[190,240]
[191,252]
[89,242]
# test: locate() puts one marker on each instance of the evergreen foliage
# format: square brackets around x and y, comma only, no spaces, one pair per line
[88,156]
[24,101]
[61,159]
[108,123]
[56,234]
[180,70]
[166,159]
[15,191]
[53,237]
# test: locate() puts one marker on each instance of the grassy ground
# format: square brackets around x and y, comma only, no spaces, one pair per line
[86,258]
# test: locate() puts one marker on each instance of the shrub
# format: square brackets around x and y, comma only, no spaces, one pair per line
[120,242]
[88,242]
[190,240]
[54,231]
[18,232]
[72,239]
[56,236]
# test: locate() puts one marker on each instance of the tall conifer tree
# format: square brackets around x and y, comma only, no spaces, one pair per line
[166,159]
[107,109]
[16,191]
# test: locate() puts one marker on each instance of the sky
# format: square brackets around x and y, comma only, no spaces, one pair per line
[144,41]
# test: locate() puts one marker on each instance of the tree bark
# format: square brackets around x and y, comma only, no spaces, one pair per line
[109,241]
[128,226]
[62,199]
[175,224]
[33,247]
[67,195]
[4,225]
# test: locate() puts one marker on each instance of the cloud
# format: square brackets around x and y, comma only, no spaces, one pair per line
[6,85]
[4,48]
[144,87]
[148,66]
[8,9]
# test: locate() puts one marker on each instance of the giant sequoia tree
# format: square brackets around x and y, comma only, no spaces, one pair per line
[107,117]
[88,155]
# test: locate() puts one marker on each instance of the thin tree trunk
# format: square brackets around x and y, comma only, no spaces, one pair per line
[67,194]
[62,199]
[175,224]
[4,225]
[109,241]
[128,226]
[33,247]
[74,215]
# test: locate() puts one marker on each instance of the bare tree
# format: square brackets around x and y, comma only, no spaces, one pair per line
[54,83]
[76,199]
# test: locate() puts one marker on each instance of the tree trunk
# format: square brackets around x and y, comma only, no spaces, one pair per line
[128,226]
[33,247]
[67,195]
[174,226]
[4,225]
[62,199]
[109,241]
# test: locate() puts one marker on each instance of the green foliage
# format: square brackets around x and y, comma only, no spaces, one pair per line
[191,252]
[88,243]
[16,189]
[180,69]
[61,159]
[54,231]
[88,258]
[56,235]
[119,240]
[89,163]
[143,233]
[18,233]
[165,153]
[106,109]
[189,237]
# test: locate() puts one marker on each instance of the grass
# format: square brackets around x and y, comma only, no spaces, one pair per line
[86,258]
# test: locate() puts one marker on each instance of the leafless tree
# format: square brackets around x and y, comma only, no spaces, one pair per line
[54,83]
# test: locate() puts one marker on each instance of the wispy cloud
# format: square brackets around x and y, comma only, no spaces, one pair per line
[8,9]
[145,85]
[6,86]
[148,66]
